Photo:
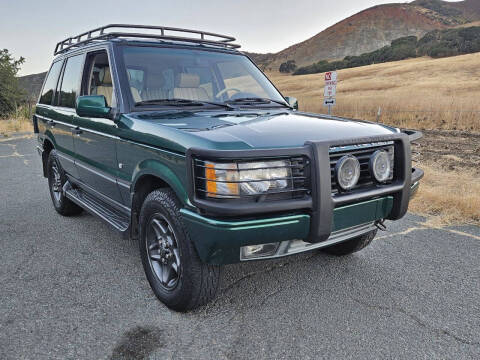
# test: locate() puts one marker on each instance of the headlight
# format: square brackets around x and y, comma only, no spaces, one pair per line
[381,166]
[246,178]
[347,172]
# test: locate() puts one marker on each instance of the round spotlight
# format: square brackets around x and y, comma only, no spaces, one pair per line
[380,165]
[347,172]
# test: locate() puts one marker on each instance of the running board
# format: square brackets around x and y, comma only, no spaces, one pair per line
[118,219]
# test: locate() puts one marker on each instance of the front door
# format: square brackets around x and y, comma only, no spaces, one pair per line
[95,139]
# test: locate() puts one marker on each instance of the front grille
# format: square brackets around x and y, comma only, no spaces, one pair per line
[298,180]
[362,152]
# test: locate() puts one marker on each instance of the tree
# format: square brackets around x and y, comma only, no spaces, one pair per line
[288,67]
[10,92]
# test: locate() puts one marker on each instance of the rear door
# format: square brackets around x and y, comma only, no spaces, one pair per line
[45,107]
[95,139]
[58,117]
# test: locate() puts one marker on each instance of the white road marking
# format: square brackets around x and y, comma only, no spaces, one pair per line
[424,226]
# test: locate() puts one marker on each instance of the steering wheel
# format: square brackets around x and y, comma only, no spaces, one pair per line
[221,92]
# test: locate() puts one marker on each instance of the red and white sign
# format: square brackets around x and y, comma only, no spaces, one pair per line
[330,84]
[330,91]
[331,76]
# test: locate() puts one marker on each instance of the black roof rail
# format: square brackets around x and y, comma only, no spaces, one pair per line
[166,33]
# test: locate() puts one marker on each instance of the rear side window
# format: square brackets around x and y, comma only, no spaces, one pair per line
[71,81]
[50,83]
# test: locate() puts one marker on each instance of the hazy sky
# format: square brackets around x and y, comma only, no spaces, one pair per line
[31,28]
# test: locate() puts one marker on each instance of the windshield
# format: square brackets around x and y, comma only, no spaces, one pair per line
[210,77]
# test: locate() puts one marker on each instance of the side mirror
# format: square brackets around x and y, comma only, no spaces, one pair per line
[92,106]
[293,102]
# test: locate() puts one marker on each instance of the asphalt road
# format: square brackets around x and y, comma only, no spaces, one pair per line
[73,288]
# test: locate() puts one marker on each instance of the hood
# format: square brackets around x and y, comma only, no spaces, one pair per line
[247,130]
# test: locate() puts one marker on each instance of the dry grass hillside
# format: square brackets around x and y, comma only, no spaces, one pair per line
[15,125]
[20,121]
[424,93]
[421,93]
[450,191]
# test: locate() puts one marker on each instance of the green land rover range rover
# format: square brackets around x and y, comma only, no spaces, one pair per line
[177,139]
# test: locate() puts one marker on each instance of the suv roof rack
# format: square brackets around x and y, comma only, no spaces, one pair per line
[166,33]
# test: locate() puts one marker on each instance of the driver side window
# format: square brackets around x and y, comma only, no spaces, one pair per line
[99,77]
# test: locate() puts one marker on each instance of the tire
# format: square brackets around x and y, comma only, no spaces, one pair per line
[176,274]
[351,246]
[56,180]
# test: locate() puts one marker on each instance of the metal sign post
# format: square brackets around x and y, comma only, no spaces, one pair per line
[330,90]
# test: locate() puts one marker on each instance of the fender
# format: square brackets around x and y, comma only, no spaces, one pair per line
[163,172]
[48,135]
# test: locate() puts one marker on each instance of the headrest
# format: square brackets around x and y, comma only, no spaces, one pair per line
[184,80]
[155,81]
[107,76]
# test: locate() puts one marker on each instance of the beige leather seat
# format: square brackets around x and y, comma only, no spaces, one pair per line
[106,87]
[187,86]
[154,89]
[135,93]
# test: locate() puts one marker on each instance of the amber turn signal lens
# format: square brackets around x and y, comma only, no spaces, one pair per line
[211,179]
[221,180]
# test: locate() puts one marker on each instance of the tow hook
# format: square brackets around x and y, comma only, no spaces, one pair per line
[380,224]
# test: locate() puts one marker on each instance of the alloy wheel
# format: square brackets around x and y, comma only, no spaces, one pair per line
[56,182]
[162,251]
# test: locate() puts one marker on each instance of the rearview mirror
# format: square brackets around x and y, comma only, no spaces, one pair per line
[92,106]
[293,102]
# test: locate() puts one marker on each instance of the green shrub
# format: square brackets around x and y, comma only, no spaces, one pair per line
[288,66]
[10,92]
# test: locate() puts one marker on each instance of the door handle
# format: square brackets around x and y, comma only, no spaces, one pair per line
[77,131]
[51,123]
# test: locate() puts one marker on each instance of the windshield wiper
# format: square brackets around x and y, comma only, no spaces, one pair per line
[256,100]
[182,102]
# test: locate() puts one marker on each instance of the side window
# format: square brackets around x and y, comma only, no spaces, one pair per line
[50,83]
[99,76]
[71,81]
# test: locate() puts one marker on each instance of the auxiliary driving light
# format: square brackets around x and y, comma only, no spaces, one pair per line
[381,166]
[347,172]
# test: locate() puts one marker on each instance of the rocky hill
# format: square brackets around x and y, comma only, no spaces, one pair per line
[32,84]
[372,29]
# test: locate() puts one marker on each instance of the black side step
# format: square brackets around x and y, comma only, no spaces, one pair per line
[118,219]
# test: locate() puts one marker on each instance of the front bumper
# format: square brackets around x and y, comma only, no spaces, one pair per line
[315,218]
[219,241]
[319,202]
